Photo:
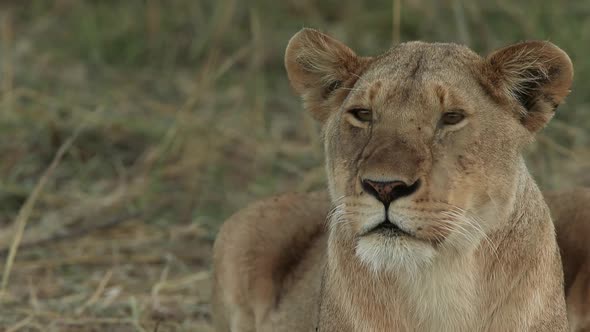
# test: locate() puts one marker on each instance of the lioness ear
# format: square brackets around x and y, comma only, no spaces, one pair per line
[319,65]
[537,74]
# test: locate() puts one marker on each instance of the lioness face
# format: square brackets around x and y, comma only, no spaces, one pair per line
[423,143]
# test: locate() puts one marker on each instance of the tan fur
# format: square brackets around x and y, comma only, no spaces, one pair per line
[478,251]
[571,214]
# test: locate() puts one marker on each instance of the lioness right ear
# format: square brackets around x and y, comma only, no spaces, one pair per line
[319,65]
[537,74]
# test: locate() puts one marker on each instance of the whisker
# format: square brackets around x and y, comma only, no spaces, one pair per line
[360,78]
[456,219]
[454,226]
[474,222]
[354,89]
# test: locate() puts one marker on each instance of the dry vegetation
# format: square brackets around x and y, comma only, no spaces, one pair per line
[131,129]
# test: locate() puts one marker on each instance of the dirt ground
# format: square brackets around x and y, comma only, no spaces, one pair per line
[130,277]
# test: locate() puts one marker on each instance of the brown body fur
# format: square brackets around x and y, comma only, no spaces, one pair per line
[570,210]
[436,224]
[571,215]
[268,260]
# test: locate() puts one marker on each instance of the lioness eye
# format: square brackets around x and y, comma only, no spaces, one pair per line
[451,118]
[361,114]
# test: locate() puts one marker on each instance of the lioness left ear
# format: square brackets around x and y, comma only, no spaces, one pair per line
[318,67]
[537,74]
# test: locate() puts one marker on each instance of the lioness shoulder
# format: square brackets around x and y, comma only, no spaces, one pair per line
[265,253]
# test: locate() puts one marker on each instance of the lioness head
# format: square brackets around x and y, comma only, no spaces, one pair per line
[423,143]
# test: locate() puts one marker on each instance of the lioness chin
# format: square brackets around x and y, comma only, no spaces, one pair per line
[435,222]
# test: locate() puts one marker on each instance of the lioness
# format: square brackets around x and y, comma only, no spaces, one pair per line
[436,223]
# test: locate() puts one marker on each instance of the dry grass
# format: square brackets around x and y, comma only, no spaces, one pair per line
[191,119]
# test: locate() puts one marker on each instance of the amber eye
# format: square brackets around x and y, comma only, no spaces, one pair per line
[451,118]
[361,114]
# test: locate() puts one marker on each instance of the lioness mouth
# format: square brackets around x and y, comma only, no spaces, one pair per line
[387,228]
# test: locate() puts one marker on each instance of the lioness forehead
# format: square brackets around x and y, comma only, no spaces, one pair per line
[416,61]
[411,73]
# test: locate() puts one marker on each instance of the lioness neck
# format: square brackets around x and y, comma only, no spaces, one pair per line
[503,283]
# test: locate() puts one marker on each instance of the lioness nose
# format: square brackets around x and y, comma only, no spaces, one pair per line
[389,191]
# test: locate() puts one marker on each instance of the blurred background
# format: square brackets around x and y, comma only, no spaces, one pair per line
[131,129]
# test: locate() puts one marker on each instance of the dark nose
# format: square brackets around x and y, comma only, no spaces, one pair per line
[389,191]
